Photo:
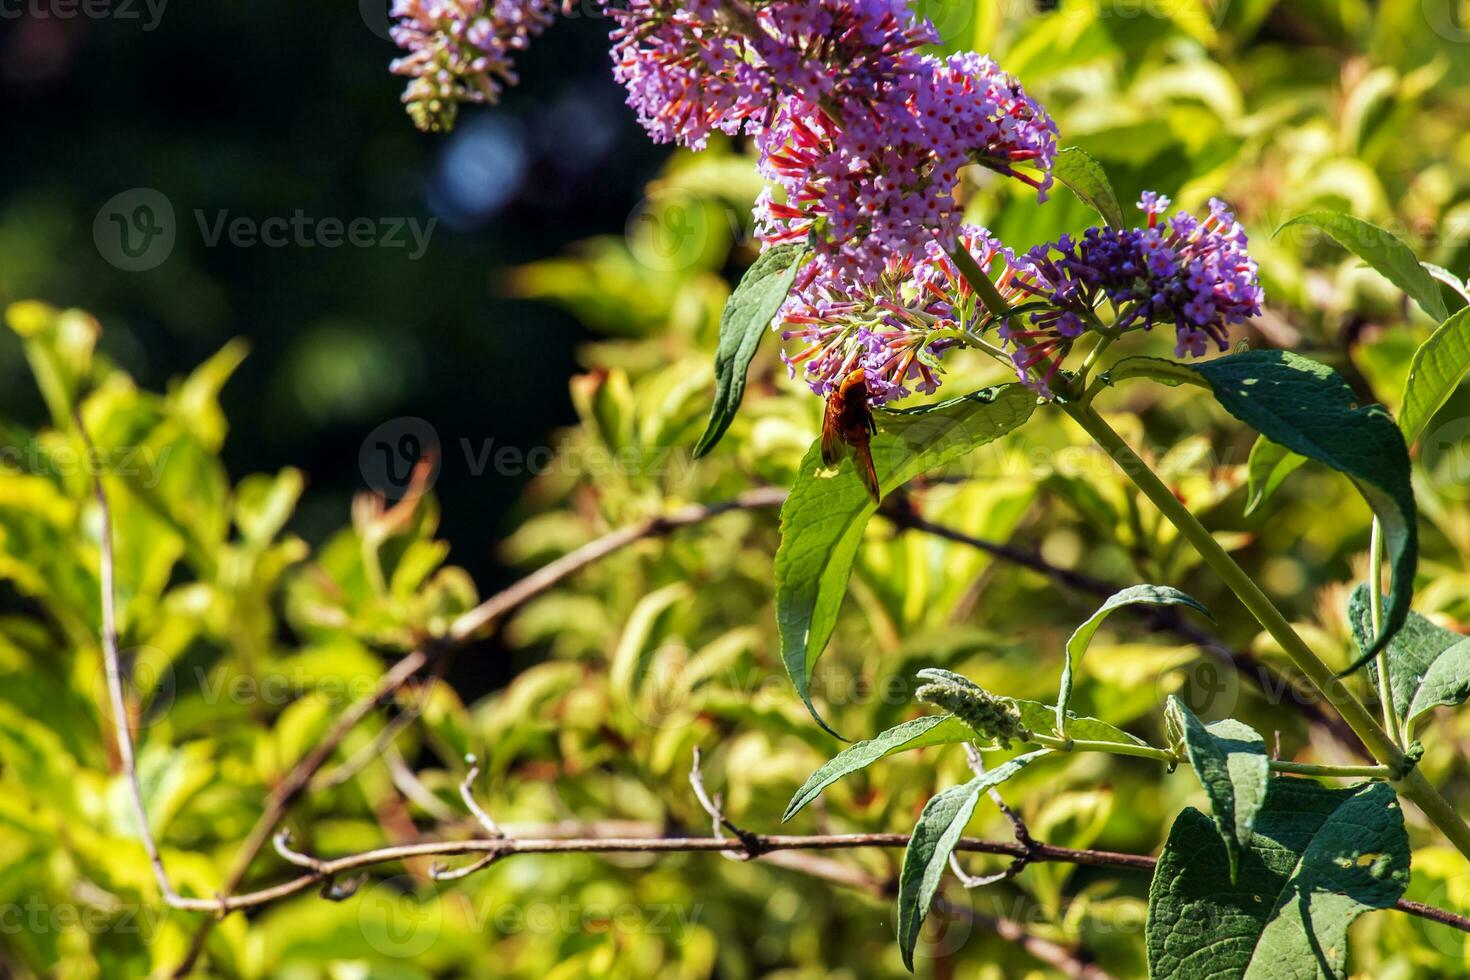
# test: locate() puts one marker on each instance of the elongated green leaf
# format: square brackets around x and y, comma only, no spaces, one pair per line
[1319,858]
[1151,595]
[746,320]
[1268,467]
[916,734]
[1428,665]
[939,828]
[1434,374]
[1385,253]
[1305,407]
[1037,717]
[1229,759]
[823,519]
[1086,178]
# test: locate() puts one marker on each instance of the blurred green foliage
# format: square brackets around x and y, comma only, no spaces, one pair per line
[243,642]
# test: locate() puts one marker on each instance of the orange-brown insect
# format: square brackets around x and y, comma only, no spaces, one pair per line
[849,423]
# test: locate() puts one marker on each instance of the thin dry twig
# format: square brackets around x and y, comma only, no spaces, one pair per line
[715,807]
[1018,825]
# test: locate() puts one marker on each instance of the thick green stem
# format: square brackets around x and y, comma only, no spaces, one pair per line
[980,282]
[1411,784]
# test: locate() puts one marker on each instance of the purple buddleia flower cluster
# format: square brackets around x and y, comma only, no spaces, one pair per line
[461,51]
[895,327]
[694,67]
[881,179]
[1193,275]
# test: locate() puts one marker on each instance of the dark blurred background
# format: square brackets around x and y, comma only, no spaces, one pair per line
[272,109]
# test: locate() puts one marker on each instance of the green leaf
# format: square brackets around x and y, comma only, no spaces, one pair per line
[935,835]
[1086,178]
[1229,758]
[1037,717]
[1428,665]
[1434,374]
[1305,407]
[1385,253]
[746,320]
[1441,274]
[823,519]
[1151,595]
[1267,468]
[916,734]
[1319,858]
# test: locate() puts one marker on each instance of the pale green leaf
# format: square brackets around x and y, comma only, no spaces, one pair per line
[916,734]
[939,828]
[1151,595]
[823,519]
[1086,178]
[1434,374]
[1385,253]
[1267,468]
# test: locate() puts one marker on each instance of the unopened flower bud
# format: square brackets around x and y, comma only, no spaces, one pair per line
[990,716]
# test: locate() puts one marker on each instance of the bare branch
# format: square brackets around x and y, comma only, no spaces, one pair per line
[714,806]
[282,842]
[467,794]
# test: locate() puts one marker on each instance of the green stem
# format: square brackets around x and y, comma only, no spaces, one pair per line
[980,282]
[1375,605]
[1412,784]
[1170,759]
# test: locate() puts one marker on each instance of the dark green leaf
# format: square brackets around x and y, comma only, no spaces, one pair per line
[1435,373]
[939,828]
[1385,253]
[1428,664]
[1319,858]
[1268,467]
[1151,595]
[1086,178]
[1229,759]
[1306,407]
[822,521]
[916,734]
[746,320]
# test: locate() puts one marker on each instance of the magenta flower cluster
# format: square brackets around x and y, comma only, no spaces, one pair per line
[461,51]
[696,67]
[1193,275]
[896,327]
[882,178]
